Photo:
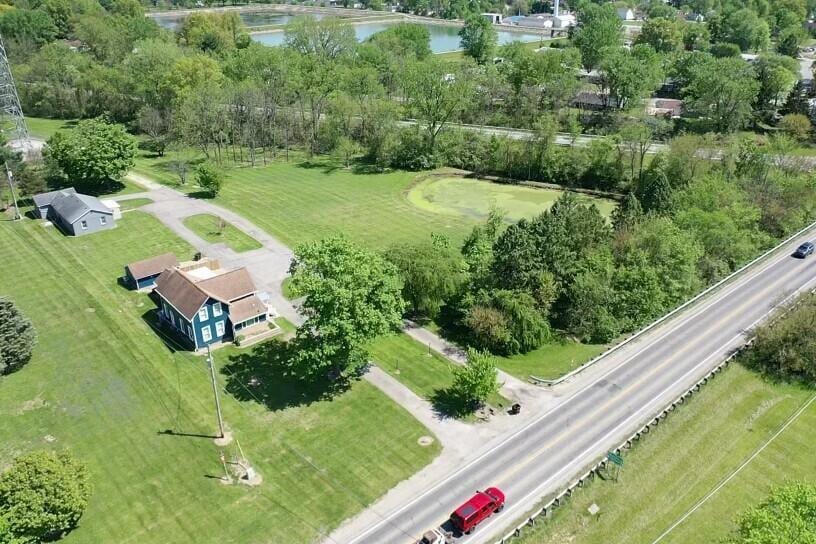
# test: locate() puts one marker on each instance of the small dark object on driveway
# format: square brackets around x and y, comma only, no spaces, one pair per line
[804,250]
[515,409]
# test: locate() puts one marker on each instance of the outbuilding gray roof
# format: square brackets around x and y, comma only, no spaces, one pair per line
[73,206]
[45,199]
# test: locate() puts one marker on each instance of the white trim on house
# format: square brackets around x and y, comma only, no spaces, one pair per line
[203,313]
[206,333]
[171,305]
[219,329]
[217,311]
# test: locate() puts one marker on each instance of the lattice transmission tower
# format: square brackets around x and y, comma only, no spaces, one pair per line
[13,122]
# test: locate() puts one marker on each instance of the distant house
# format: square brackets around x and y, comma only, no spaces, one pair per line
[626,13]
[494,18]
[594,101]
[143,274]
[671,108]
[208,305]
[75,213]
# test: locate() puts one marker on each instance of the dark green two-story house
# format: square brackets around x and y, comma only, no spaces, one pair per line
[209,306]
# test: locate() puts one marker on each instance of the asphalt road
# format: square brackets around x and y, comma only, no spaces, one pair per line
[640,380]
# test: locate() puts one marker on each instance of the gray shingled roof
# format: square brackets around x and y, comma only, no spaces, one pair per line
[45,199]
[72,206]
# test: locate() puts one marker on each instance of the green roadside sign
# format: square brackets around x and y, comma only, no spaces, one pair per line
[615,458]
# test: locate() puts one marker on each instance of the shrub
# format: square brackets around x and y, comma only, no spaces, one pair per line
[786,349]
[474,382]
[796,125]
[209,178]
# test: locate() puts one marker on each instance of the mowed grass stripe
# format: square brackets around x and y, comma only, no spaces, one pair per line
[150,487]
[685,457]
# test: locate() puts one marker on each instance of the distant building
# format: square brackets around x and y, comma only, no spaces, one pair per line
[494,18]
[75,213]
[626,13]
[208,305]
[671,108]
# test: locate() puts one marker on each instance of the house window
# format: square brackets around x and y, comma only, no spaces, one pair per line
[203,315]
[217,309]
[102,219]
[219,329]
[190,331]
[172,320]
[206,334]
[84,225]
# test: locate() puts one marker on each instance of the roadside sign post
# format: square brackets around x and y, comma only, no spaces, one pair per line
[616,460]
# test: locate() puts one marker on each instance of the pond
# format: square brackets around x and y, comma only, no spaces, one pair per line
[251,19]
[444,38]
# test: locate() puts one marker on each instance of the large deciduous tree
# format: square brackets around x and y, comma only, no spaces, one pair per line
[350,296]
[94,155]
[431,272]
[630,75]
[42,495]
[435,95]
[663,35]
[599,27]
[17,337]
[786,516]
[478,38]
[723,90]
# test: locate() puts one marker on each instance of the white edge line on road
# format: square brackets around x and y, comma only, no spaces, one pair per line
[707,304]
[639,413]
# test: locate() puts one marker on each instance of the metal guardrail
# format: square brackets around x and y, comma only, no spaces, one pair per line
[601,464]
[550,383]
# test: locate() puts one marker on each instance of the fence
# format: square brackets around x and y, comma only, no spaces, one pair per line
[530,521]
[653,324]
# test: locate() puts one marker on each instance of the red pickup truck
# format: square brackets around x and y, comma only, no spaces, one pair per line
[481,506]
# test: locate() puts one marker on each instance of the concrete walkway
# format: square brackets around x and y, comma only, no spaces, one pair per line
[268,265]
[516,390]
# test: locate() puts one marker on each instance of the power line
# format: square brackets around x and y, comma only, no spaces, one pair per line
[10,108]
[714,491]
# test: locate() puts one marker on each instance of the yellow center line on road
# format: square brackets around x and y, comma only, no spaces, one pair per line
[592,416]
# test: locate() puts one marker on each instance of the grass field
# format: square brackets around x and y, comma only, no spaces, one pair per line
[42,128]
[303,201]
[684,458]
[426,374]
[550,361]
[207,227]
[102,384]
[473,198]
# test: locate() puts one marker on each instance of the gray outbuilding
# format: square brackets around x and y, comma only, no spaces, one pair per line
[74,213]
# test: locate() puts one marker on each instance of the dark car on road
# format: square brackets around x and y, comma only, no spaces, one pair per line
[804,250]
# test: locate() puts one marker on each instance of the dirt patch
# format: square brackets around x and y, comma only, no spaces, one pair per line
[30,405]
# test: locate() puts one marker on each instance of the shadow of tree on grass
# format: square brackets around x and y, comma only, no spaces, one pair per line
[268,375]
[448,403]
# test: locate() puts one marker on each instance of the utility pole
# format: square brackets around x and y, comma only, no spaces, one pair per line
[215,393]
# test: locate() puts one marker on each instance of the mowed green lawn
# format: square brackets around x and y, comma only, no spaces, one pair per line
[474,197]
[424,372]
[305,200]
[685,458]
[102,384]
[209,228]
[550,361]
